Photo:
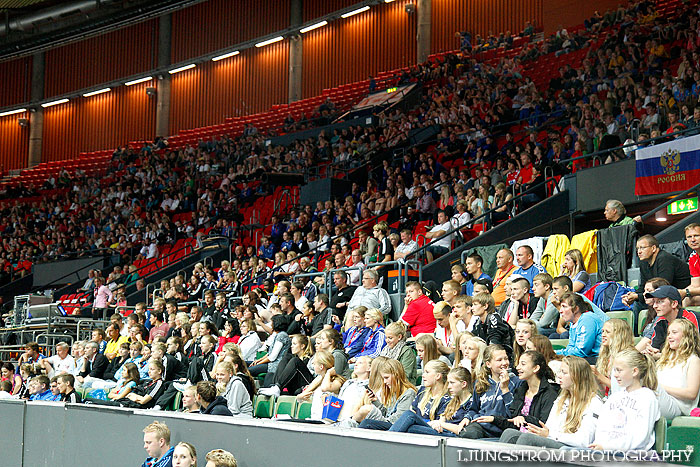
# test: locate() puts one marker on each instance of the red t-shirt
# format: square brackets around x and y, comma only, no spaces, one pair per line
[419,316]
[694,265]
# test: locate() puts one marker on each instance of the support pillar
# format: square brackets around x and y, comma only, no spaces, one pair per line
[36,116]
[295,52]
[163,87]
[423,30]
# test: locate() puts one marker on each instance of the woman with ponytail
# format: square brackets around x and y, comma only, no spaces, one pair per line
[293,372]
[635,403]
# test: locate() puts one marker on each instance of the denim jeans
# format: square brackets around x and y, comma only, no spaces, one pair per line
[375,424]
[409,422]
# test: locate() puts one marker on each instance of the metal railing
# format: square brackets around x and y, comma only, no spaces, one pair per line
[636,145]
[402,267]
[486,215]
[86,326]
[49,341]
[695,188]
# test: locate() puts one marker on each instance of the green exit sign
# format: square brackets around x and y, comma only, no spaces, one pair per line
[683,206]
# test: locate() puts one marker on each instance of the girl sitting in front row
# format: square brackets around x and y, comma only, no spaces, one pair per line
[430,402]
[635,404]
[532,401]
[394,398]
[352,391]
[572,421]
[323,361]
[459,382]
[493,394]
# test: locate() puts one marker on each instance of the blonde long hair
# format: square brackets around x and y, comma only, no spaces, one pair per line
[430,347]
[458,340]
[400,384]
[644,363]
[484,373]
[305,344]
[688,346]
[579,264]
[375,377]
[619,338]
[462,374]
[583,389]
[442,369]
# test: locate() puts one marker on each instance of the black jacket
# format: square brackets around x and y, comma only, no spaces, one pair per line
[200,368]
[615,250]
[174,368]
[539,409]
[668,266]
[496,331]
[96,368]
[294,326]
[114,365]
[218,407]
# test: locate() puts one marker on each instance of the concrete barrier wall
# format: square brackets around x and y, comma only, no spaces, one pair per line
[12,423]
[53,434]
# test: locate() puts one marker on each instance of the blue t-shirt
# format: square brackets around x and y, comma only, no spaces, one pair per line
[530,273]
[468,287]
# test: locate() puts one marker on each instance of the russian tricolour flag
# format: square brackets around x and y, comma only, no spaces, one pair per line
[668,167]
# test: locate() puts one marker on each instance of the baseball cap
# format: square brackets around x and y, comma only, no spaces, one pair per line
[665,291]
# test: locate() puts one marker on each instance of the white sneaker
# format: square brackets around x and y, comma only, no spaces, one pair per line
[271,391]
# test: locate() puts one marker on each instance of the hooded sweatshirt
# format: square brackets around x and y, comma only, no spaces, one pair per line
[237,398]
[217,407]
[493,402]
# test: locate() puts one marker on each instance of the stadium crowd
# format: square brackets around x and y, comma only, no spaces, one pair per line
[475,358]
[452,364]
[625,80]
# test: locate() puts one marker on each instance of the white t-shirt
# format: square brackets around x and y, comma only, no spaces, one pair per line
[352,391]
[461,327]
[67,365]
[445,242]
[441,335]
[626,421]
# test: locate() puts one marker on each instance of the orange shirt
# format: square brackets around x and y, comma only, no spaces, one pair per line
[499,292]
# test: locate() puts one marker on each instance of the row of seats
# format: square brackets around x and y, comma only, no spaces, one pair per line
[273,407]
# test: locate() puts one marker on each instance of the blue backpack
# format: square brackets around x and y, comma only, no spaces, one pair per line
[608,296]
